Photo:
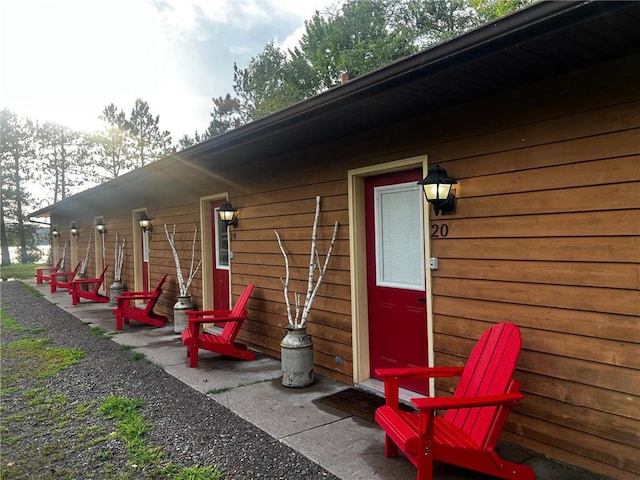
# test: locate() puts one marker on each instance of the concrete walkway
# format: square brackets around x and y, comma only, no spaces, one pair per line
[347,446]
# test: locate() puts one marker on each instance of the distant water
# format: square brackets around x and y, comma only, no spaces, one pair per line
[14,252]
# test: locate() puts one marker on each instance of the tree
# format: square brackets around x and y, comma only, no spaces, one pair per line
[186,141]
[112,147]
[148,142]
[270,83]
[357,38]
[437,20]
[491,9]
[62,154]
[17,151]
[225,115]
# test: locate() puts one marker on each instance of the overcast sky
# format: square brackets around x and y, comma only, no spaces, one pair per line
[65,60]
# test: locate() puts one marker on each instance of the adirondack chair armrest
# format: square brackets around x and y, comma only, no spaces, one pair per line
[129,294]
[447,403]
[86,280]
[220,319]
[138,296]
[50,268]
[419,372]
[61,273]
[207,313]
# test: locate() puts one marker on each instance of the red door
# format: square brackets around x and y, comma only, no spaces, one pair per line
[220,245]
[396,273]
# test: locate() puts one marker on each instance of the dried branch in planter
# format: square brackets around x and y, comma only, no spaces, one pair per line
[119,259]
[85,260]
[300,320]
[64,255]
[182,285]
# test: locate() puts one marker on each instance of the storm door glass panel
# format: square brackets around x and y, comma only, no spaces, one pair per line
[399,236]
[222,244]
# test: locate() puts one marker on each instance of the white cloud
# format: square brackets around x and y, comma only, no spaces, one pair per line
[65,60]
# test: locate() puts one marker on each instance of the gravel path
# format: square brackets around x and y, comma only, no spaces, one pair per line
[191,428]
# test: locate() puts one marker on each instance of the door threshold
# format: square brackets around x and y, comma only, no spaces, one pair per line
[376,387]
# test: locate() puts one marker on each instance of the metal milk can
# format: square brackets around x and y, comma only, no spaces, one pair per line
[180,318]
[297,358]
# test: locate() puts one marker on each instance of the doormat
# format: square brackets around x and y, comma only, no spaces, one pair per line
[355,402]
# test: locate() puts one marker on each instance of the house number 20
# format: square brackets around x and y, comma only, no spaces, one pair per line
[439,230]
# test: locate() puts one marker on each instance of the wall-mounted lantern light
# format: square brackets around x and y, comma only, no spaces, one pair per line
[101,227]
[145,222]
[437,190]
[228,214]
[74,229]
[54,231]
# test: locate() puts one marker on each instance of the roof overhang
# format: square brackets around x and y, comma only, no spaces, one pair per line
[544,40]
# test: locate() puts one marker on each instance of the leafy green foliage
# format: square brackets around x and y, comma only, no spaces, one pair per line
[354,37]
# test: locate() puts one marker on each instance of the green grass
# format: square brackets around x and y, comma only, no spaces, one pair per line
[7,323]
[20,271]
[43,359]
[27,363]
[132,427]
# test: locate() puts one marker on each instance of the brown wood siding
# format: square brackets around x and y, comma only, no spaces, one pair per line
[547,235]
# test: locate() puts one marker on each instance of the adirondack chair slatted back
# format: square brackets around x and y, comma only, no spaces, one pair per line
[98,284]
[156,294]
[231,329]
[488,371]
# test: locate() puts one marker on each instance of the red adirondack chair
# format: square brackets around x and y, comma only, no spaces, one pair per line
[57,282]
[77,292]
[44,273]
[127,309]
[224,343]
[467,434]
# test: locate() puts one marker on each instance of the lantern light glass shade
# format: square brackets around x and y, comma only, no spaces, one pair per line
[145,221]
[101,228]
[228,214]
[74,229]
[54,231]
[437,190]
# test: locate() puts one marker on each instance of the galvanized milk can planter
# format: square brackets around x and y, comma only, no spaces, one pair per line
[183,304]
[180,317]
[296,348]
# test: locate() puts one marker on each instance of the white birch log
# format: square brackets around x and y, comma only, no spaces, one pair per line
[64,255]
[192,271]
[119,259]
[313,283]
[285,282]
[183,286]
[85,260]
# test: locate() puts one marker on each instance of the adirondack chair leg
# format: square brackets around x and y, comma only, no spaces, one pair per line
[390,448]
[192,353]
[425,445]
[509,470]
